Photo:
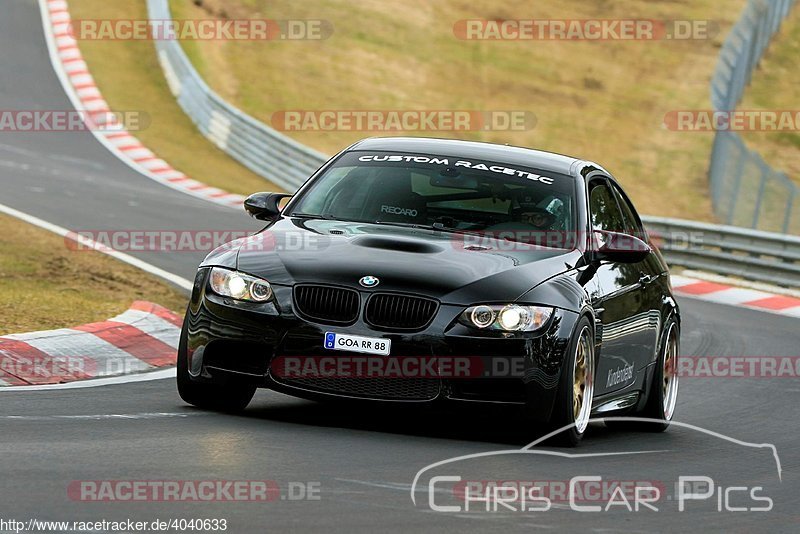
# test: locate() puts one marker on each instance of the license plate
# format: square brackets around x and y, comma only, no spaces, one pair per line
[367,345]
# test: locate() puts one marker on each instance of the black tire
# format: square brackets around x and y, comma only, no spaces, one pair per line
[230,397]
[660,405]
[564,411]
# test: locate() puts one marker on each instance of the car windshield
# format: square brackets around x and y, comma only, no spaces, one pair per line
[443,193]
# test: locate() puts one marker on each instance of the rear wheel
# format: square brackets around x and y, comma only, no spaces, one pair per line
[576,388]
[229,397]
[663,391]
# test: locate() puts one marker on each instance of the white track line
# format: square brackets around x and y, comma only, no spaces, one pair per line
[183,283]
[101,416]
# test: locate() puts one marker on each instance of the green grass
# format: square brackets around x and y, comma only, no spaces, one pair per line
[44,284]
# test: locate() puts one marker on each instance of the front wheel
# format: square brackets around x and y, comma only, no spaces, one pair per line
[576,387]
[230,397]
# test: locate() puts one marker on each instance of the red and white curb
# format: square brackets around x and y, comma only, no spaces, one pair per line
[141,339]
[736,296]
[79,84]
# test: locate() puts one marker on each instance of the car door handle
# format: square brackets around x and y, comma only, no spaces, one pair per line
[646,279]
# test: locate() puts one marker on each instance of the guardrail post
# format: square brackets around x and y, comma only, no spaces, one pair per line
[764,174]
[737,180]
[787,216]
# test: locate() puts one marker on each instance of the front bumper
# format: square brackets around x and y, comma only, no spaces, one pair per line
[246,341]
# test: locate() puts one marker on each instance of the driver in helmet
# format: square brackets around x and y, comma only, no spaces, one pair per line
[537,217]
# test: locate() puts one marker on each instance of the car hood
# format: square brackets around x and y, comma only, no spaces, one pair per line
[454,268]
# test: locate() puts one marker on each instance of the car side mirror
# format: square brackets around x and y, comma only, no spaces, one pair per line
[264,206]
[620,248]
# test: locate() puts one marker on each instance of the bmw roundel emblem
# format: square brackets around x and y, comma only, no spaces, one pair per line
[369,281]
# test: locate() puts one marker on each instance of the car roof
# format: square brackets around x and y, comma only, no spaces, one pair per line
[507,154]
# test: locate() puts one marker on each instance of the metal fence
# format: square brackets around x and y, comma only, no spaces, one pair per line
[745,190]
[274,156]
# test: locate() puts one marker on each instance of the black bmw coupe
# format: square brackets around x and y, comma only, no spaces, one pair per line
[413,270]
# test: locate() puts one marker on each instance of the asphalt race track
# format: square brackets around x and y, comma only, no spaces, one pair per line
[360,462]
[69,178]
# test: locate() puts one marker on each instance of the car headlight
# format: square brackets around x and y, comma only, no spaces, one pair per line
[239,286]
[506,318]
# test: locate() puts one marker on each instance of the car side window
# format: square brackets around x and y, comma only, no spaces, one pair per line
[604,210]
[633,223]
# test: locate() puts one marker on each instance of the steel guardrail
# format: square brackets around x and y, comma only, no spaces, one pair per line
[750,254]
[272,155]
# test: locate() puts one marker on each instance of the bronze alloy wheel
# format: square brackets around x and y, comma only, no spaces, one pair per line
[583,380]
[670,374]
